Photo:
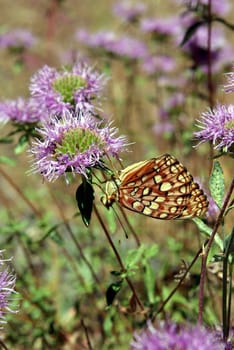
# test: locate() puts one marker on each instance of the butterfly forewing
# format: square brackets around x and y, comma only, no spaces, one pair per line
[161,188]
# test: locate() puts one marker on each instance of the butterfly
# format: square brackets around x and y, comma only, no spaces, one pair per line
[161,188]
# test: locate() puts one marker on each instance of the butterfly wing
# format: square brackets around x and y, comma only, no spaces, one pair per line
[161,188]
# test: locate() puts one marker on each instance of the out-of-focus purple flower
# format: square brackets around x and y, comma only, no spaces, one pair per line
[160,26]
[21,111]
[229,87]
[158,64]
[73,143]
[217,6]
[172,336]
[217,126]
[127,46]
[17,39]
[197,49]
[67,90]
[128,11]
[7,285]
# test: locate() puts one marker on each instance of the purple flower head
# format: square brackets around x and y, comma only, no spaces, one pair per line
[163,27]
[69,90]
[17,39]
[73,143]
[158,64]
[173,337]
[197,48]
[217,126]
[217,6]
[128,11]
[229,87]
[21,111]
[110,43]
[7,285]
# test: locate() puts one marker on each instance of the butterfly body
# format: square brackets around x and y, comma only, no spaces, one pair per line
[160,187]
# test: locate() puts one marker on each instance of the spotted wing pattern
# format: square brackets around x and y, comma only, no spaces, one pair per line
[161,188]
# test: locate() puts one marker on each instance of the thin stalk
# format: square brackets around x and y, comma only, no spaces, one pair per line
[160,309]
[73,237]
[117,256]
[20,193]
[210,84]
[206,251]
[86,334]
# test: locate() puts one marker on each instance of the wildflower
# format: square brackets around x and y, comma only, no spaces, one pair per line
[128,10]
[69,90]
[7,285]
[217,6]
[172,336]
[158,64]
[163,27]
[112,44]
[217,126]
[17,39]
[230,82]
[73,143]
[21,111]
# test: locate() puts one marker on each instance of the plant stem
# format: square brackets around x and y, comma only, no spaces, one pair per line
[160,309]
[20,193]
[206,251]
[117,256]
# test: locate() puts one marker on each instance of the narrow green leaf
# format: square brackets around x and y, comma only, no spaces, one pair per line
[134,256]
[112,291]
[216,184]
[22,144]
[7,161]
[84,198]
[149,279]
[207,230]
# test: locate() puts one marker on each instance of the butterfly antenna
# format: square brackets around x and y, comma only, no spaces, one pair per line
[120,222]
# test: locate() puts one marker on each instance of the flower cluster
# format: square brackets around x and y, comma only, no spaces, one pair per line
[173,336]
[17,39]
[7,285]
[21,111]
[128,11]
[61,91]
[73,143]
[217,126]
[111,43]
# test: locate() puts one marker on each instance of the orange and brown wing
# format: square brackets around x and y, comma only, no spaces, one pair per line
[161,188]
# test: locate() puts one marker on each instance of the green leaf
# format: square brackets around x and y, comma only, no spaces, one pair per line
[149,279]
[22,144]
[216,184]
[112,291]
[151,251]
[207,230]
[134,256]
[84,198]
[7,161]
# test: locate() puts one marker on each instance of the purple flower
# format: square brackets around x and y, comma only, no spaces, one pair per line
[217,126]
[17,39]
[172,336]
[110,43]
[229,87]
[21,111]
[161,26]
[217,6]
[128,11]
[73,143]
[7,285]
[158,64]
[74,89]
